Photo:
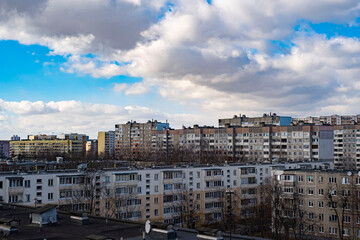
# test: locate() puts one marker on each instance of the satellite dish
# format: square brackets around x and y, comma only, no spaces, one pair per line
[349,173]
[147,226]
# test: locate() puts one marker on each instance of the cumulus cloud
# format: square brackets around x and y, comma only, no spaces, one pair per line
[27,117]
[216,58]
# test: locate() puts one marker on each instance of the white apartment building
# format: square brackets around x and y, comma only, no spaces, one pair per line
[140,194]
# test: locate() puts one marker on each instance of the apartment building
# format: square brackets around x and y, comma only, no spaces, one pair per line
[92,148]
[347,146]
[46,148]
[329,120]
[249,144]
[140,194]
[244,121]
[321,203]
[4,149]
[106,144]
[134,139]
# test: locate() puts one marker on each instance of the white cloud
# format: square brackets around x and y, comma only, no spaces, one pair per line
[27,117]
[217,59]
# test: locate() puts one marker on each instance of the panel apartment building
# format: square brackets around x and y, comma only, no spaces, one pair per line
[266,119]
[321,203]
[141,194]
[106,144]
[133,139]
[249,144]
[49,145]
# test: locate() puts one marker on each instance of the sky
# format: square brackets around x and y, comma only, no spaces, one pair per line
[85,65]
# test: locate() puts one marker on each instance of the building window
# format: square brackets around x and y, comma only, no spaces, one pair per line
[311,179]
[321,204]
[332,179]
[332,230]
[156,200]
[321,217]
[38,194]
[50,196]
[156,189]
[1,184]
[156,212]
[107,179]
[321,229]
[156,177]
[39,181]
[301,178]
[27,183]
[51,182]
[321,192]
[311,191]
[311,203]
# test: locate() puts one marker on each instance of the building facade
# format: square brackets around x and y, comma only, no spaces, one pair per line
[248,144]
[46,148]
[139,194]
[321,203]
[265,120]
[106,144]
[134,139]
[4,149]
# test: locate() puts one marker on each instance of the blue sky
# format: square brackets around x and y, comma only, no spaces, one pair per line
[190,62]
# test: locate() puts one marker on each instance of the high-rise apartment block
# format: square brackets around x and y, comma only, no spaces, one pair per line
[244,121]
[92,148]
[249,144]
[133,139]
[4,149]
[318,203]
[106,144]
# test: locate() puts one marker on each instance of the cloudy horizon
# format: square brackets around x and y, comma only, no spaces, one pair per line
[68,66]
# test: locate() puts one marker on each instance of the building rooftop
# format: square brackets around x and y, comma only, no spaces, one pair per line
[65,229]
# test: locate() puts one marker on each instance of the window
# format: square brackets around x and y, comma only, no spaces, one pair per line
[311,191]
[347,219]
[198,185]
[345,180]
[300,190]
[139,189]
[346,232]
[51,182]
[156,189]
[1,184]
[50,196]
[321,217]
[156,212]
[148,175]
[156,200]
[321,192]
[332,218]
[301,178]
[156,176]
[321,179]
[38,194]
[321,204]
[311,215]
[321,229]
[107,179]
[332,179]
[39,181]
[38,187]
[27,183]
[311,179]
[332,230]
[311,203]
